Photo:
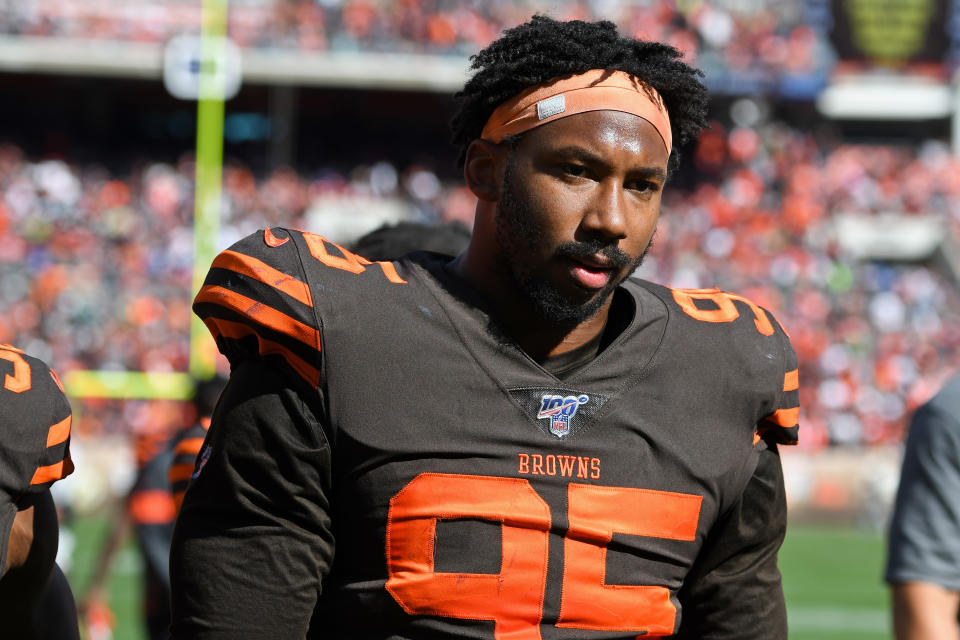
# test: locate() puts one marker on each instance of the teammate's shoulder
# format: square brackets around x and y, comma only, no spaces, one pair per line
[35,423]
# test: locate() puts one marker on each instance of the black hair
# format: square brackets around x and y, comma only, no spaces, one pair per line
[391,242]
[543,48]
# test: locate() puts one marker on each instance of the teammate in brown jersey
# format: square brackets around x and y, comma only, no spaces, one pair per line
[35,419]
[520,442]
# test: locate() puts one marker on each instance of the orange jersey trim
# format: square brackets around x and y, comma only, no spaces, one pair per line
[235,330]
[180,472]
[791,380]
[59,432]
[786,417]
[188,446]
[52,472]
[260,313]
[272,240]
[262,272]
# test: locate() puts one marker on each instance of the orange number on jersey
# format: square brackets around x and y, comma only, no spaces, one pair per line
[596,513]
[513,599]
[726,311]
[350,261]
[19,381]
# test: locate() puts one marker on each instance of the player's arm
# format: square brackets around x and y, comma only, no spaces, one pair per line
[32,540]
[31,551]
[734,590]
[20,541]
[923,562]
[253,539]
[923,610]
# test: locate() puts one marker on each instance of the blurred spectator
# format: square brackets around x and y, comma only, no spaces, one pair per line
[760,41]
[166,438]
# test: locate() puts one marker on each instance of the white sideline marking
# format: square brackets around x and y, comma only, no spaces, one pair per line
[837,619]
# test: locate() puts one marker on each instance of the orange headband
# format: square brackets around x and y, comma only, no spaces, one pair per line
[595,90]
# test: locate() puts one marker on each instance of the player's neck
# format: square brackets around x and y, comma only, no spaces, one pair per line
[539,337]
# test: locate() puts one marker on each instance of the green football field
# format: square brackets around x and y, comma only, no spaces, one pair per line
[832,580]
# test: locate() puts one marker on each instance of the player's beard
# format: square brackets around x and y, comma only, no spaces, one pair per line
[518,235]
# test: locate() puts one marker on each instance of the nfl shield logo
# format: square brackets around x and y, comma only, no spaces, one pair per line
[559,410]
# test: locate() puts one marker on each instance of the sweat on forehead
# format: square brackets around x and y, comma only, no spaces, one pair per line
[594,90]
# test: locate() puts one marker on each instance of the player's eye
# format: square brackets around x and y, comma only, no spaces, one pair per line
[575,170]
[643,186]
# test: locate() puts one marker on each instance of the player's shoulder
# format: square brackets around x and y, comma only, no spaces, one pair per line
[715,312]
[746,348]
[35,423]
[270,292]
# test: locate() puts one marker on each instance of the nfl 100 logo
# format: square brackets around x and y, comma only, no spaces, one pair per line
[560,410]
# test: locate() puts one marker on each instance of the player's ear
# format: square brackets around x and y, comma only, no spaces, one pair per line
[483,169]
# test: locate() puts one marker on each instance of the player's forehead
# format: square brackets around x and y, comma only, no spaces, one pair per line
[603,133]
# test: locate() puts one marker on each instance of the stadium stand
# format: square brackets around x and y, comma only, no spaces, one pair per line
[743,47]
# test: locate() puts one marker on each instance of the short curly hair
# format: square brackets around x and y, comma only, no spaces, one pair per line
[543,48]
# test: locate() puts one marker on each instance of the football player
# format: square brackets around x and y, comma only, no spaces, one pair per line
[189,442]
[35,418]
[522,442]
[164,465]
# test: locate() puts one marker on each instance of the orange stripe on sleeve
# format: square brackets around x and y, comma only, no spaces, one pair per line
[53,472]
[264,273]
[260,313]
[180,472]
[791,380]
[226,328]
[59,432]
[188,446]
[786,417]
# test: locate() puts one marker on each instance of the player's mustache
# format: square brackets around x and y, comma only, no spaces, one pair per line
[587,248]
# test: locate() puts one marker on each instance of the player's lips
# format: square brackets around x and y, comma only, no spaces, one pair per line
[592,272]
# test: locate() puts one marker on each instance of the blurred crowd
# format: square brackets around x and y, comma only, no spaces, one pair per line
[96,267]
[757,40]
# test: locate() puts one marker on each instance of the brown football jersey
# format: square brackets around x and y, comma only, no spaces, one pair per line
[459,489]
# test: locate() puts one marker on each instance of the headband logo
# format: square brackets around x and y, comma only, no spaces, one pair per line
[551,107]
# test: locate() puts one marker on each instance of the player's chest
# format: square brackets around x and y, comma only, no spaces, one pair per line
[425,416]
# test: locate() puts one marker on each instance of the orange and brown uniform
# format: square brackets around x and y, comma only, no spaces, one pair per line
[385,463]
